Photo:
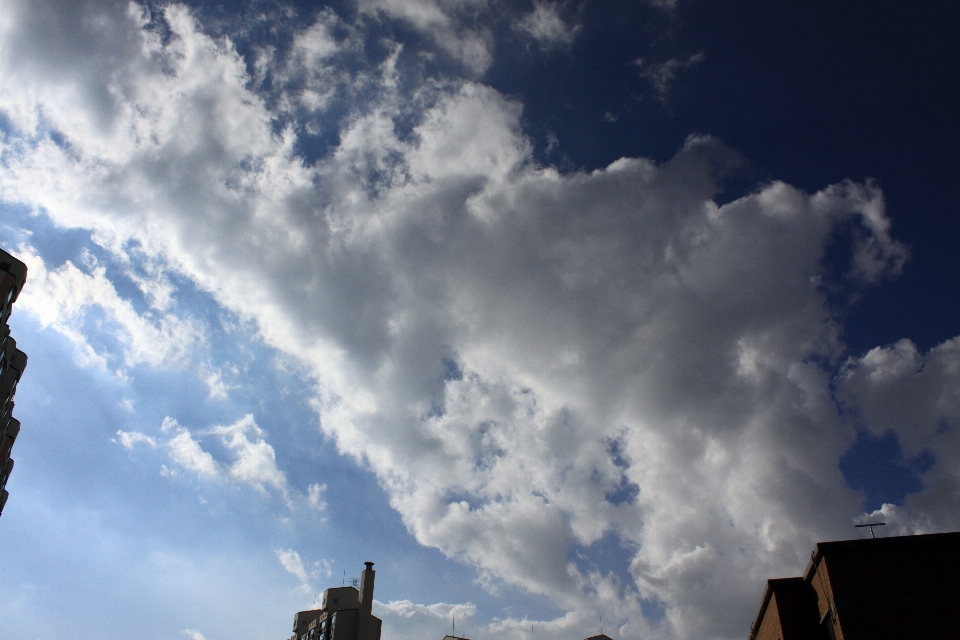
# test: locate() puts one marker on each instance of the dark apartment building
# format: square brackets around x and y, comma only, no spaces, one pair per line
[345,614]
[876,589]
[602,636]
[13,275]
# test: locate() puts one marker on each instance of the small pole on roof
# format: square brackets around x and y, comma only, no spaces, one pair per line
[871,525]
[454,633]
[601,625]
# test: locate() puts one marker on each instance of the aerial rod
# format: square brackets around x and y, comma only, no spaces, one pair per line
[871,525]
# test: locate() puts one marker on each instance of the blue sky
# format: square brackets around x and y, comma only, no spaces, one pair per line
[552,310]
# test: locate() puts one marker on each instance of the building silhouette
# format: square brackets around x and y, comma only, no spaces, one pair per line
[877,589]
[13,275]
[345,614]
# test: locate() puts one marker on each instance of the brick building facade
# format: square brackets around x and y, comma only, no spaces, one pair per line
[900,587]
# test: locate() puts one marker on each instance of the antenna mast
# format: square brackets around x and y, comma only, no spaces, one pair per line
[871,525]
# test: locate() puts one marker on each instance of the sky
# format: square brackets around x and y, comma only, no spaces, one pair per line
[565,314]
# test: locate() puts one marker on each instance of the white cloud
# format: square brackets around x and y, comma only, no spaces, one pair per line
[187,452]
[295,566]
[505,346]
[130,439]
[917,397]
[193,634]
[406,620]
[216,386]
[291,562]
[67,298]
[256,461]
[897,521]
[315,493]
[547,26]
[447,22]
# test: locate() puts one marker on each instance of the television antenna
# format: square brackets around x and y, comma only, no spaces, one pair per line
[871,525]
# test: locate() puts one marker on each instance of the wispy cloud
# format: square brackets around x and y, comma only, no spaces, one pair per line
[315,497]
[69,300]
[546,25]
[292,564]
[661,75]
[187,452]
[130,439]
[254,460]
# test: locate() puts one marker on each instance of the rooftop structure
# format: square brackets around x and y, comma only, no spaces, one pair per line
[901,587]
[13,275]
[345,614]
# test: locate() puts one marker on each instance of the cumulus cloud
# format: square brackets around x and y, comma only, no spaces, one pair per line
[917,397]
[506,347]
[406,620]
[898,521]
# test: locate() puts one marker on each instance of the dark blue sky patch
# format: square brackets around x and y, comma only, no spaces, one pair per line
[839,284]
[53,244]
[625,493]
[877,467]
[809,93]
[653,610]
[451,370]
[607,555]
[616,446]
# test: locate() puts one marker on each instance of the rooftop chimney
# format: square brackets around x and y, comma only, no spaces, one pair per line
[366,590]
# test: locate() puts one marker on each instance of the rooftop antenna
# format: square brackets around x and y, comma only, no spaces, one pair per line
[871,525]
[454,616]
[344,578]
[601,625]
